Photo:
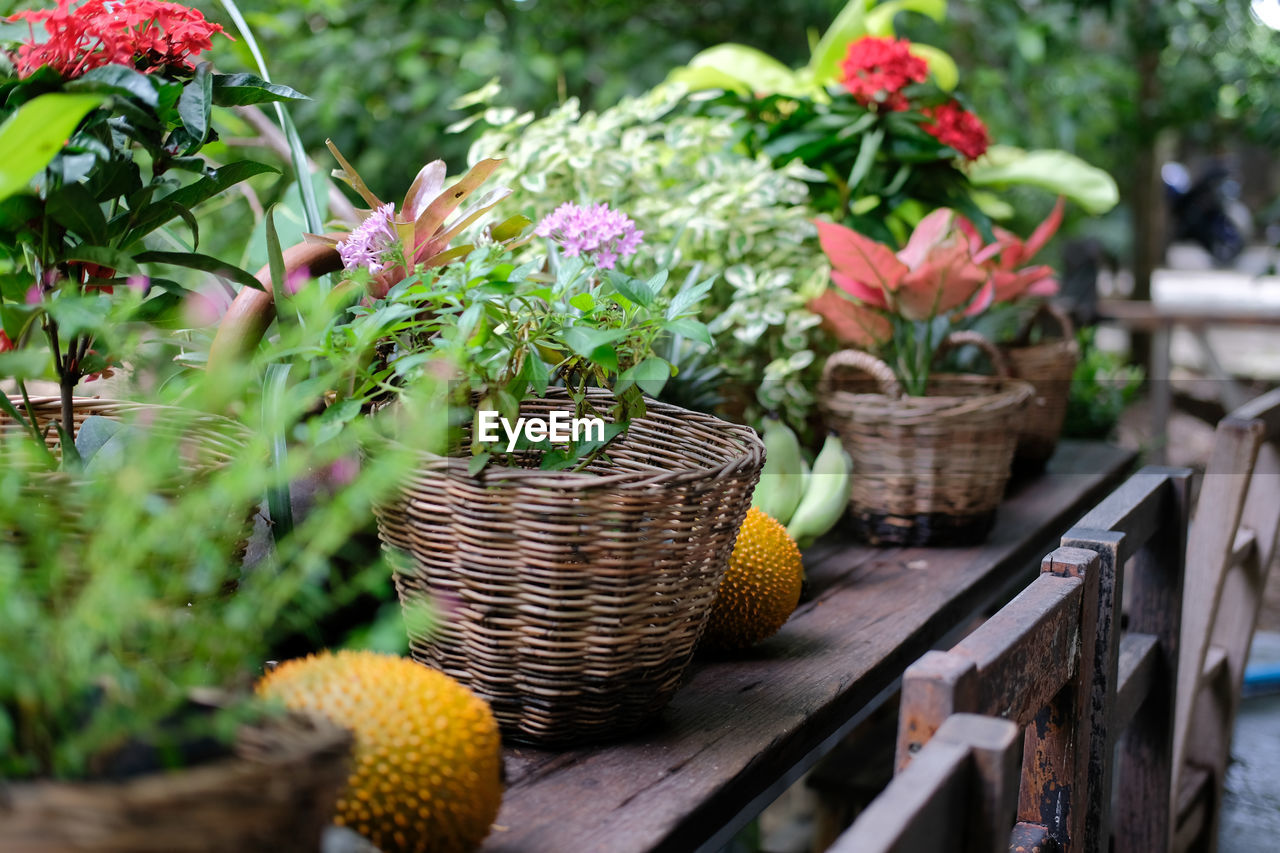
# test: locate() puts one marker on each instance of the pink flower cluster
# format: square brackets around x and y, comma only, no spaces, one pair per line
[145,34]
[603,235]
[368,245]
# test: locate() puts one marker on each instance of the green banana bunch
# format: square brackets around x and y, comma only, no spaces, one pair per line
[826,495]
[782,482]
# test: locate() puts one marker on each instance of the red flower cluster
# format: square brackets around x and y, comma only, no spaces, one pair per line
[148,35]
[951,124]
[877,69]
[5,343]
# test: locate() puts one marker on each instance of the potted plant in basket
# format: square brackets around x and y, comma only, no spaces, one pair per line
[931,452]
[108,110]
[1018,312]
[575,553]
[124,609]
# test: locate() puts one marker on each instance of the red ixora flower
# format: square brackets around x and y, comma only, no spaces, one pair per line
[876,70]
[951,124]
[148,35]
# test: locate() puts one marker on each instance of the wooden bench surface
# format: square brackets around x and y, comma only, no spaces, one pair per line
[742,729]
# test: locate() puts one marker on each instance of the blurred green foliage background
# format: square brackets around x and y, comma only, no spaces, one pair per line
[1042,73]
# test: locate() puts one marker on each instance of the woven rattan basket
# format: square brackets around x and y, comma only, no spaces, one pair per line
[926,470]
[205,442]
[572,602]
[1048,366]
[209,441]
[276,793]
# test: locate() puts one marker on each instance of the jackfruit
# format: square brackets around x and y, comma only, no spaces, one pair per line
[761,587]
[426,774]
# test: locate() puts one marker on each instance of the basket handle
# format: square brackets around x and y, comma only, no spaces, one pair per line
[868,364]
[1048,309]
[956,340]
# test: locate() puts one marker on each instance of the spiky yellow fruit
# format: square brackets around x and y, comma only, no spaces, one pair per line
[428,763]
[761,587]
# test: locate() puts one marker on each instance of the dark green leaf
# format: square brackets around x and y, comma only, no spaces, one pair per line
[275,259]
[74,207]
[204,263]
[238,90]
[116,80]
[16,211]
[867,152]
[147,220]
[104,256]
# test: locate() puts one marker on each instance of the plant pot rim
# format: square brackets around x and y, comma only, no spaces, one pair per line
[668,430]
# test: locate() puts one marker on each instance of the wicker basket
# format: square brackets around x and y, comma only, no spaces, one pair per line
[573,601]
[206,442]
[1049,367]
[926,470]
[209,442]
[277,793]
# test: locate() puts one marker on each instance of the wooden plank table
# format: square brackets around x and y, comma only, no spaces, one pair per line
[743,729]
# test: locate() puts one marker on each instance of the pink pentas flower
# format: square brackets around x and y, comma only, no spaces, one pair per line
[602,235]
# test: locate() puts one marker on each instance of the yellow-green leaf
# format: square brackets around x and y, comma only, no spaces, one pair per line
[941,65]
[1058,172]
[757,70]
[880,19]
[33,136]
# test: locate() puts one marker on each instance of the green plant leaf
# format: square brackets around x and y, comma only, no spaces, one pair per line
[117,80]
[585,340]
[151,217]
[651,375]
[1055,171]
[637,291]
[74,207]
[33,136]
[23,364]
[943,68]
[204,263]
[850,23]
[275,259]
[239,90]
[94,432]
[879,20]
[104,256]
[279,501]
[195,105]
[757,70]
[687,327]
[867,152]
[701,79]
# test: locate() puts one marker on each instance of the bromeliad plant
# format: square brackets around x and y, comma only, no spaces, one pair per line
[901,305]
[504,331]
[106,113]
